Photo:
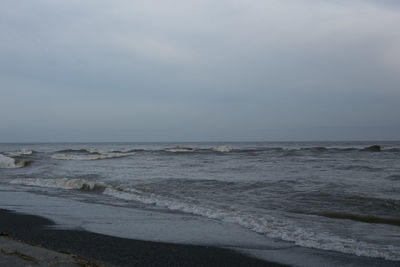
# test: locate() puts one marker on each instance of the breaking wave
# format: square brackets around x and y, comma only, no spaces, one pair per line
[19,153]
[180,149]
[262,224]
[76,151]
[176,149]
[93,154]
[62,183]
[90,155]
[9,163]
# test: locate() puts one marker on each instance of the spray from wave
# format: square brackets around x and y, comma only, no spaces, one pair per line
[11,163]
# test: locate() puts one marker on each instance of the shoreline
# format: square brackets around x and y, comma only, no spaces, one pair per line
[110,250]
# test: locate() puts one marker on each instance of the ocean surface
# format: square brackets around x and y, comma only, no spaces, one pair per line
[332,196]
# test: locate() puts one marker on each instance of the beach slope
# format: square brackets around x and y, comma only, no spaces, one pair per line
[103,249]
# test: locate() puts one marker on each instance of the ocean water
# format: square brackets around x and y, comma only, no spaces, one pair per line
[342,196]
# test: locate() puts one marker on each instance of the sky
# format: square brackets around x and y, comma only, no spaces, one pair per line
[199,70]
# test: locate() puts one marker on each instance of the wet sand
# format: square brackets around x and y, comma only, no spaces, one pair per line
[108,250]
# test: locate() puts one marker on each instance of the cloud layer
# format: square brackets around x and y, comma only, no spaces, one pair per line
[199,70]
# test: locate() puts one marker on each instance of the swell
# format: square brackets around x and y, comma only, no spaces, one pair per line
[287,151]
[264,224]
[361,218]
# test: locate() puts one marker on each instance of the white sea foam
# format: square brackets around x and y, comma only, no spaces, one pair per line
[94,156]
[265,224]
[222,149]
[62,183]
[269,225]
[180,149]
[7,162]
[18,153]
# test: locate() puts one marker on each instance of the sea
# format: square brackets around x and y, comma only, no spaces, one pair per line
[300,203]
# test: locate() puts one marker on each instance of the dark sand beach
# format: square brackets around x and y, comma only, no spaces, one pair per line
[109,250]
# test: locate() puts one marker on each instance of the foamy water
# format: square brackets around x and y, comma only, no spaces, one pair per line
[340,197]
[91,156]
[8,162]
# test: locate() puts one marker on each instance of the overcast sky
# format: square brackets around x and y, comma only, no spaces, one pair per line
[199,70]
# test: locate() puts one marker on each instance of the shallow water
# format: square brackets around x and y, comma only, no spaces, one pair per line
[341,197]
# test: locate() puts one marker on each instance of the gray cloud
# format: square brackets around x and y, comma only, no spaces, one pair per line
[199,70]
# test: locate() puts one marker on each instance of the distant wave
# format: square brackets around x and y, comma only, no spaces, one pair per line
[177,149]
[180,149]
[359,168]
[83,154]
[9,163]
[263,224]
[87,154]
[317,149]
[19,153]
[85,151]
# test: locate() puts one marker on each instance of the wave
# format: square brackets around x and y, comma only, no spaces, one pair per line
[82,154]
[323,149]
[268,225]
[373,148]
[61,183]
[359,168]
[96,151]
[91,156]
[10,163]
[19,153]
[263,224]
[286,151]
[85,151]
[361,218]
[180,149]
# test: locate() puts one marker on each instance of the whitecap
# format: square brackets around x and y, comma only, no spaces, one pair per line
[222,149]
[180,149]
[61,183]
[19,153]
[97,156]
[7,162]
